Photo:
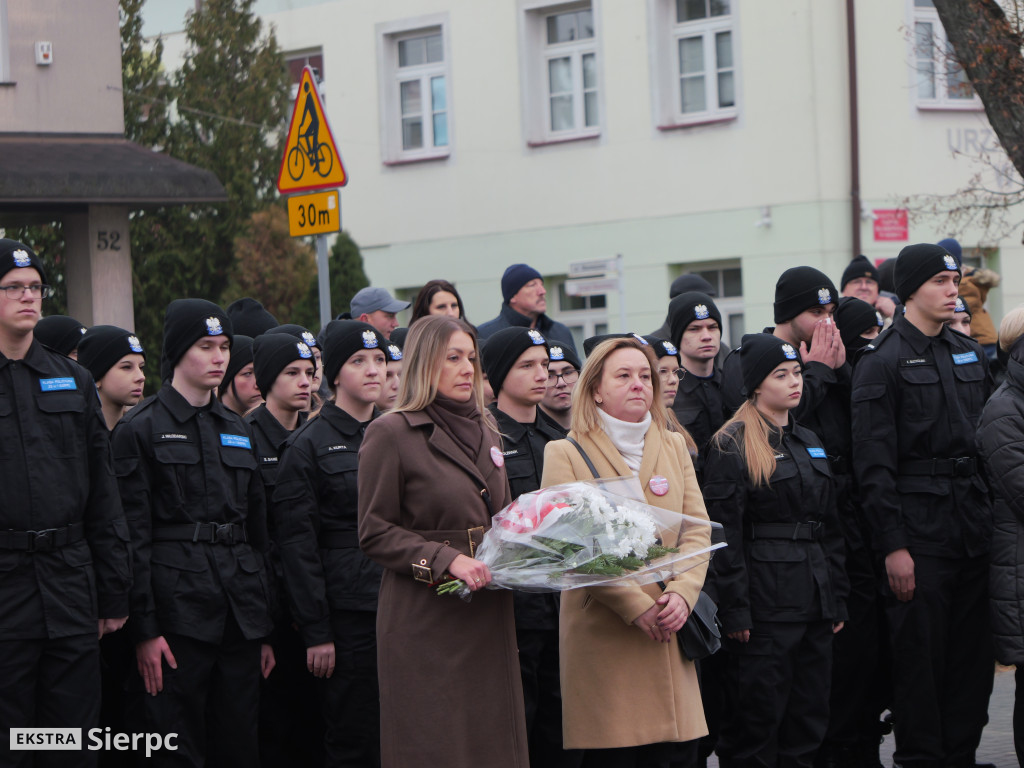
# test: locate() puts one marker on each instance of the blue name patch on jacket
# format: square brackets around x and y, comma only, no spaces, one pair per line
[235,441]
[55,385]
[816,453]
[966,357]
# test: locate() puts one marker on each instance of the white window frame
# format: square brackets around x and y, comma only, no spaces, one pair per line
[728,306]
[586,321]
[534,55]
[5,47]
[305,55]
[664,33]
[939,60]
[388,36]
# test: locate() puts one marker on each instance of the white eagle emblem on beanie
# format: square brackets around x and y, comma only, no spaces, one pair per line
[960,307]
[370,340]
[134,345]
[824,296]
[309,338]
[394,352]
[213,327]
[556,353]
[789,352]
[950,262]
[304,351]
[641,339]
[701,312]
[21,258]
[670,348]
[535,336]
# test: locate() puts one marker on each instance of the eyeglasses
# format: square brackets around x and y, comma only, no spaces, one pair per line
[34,291]
[678,373]
[568,377]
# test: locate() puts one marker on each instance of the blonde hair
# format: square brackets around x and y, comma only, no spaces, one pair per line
[755,446]
[1011,328]
[424,354]
[585,417]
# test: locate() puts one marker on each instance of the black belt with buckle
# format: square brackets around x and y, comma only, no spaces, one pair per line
[203,533]
[790,531]
[44,540]
[962,466]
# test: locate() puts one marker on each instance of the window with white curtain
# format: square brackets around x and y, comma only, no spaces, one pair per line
[940,81]
[693,58]
[415,90]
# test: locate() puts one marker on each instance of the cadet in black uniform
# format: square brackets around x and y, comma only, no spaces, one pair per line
[696,327]
[291,728]
[197,513]
[563,373]
[918,393]
[60,333]
[779,585]
[516,361]
[307,338]
[63,539]
[331,586]
[389,395]
[238,391]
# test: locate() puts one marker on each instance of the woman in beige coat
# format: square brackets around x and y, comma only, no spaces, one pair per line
[450,689]
[627,691]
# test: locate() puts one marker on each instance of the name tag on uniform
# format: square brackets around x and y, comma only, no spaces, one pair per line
[235,441]
[56,385]
[513,452]
[172,437]
[336,448]
[269,459]
[966,357]
[780,456]
[912,361]
[816,453]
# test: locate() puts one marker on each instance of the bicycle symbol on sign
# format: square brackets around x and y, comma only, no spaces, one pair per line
[308,148]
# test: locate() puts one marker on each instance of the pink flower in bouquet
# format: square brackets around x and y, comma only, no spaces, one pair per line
[518,519]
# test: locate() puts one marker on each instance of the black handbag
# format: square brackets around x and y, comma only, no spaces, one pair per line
[701,635]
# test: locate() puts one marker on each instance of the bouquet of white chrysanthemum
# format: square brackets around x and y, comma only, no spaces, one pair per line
[586,534]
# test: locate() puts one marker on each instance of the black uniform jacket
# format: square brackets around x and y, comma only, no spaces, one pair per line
[522,445]
[917,399]
[56,470]
[315,519]
[784,561]
[269,438]
[179,465]
[700,409]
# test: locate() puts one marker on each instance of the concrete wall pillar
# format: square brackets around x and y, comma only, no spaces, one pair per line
[99,266]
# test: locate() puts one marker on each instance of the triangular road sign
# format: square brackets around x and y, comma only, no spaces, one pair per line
[311,158]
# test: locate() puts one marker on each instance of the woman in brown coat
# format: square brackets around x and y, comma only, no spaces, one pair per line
[627,691]
[450,689]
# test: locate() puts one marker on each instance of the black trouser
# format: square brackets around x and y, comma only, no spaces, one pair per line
[117,659]
[291,723]
[853,715]
[776,691]
[542,694]
[645,756]
[710,672]
[350,696]
[49,684]
[211,701]
[942,661]
[1018,715]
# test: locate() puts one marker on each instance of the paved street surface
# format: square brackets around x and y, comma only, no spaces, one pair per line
[996,741]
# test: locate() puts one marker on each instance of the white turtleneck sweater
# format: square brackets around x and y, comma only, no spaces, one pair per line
[627,437]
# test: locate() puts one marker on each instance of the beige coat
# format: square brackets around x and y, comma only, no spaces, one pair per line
[619,687]
[450,688]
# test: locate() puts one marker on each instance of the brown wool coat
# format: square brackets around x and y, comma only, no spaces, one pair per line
[974,288]
[620,688]
[450,688]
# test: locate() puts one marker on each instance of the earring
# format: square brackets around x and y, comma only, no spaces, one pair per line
[598,400]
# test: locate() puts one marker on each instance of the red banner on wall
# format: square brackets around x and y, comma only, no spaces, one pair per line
[891,224]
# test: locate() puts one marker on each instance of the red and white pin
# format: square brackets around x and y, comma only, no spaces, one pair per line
[496,457]
[659,485]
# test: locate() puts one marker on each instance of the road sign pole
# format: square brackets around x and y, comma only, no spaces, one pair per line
[323,280]
[622,292]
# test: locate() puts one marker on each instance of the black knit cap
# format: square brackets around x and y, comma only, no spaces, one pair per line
[297,332]
[800,289]
[662,347]
[241,356]
[854,316]
[504,348]
[962,306]
[14,255]
[342,339]
[60,333]
[272,353]
[690,307]
[859,267]
[185,322]
[690,282]
[760,354]
[103,345]
[558,353]
[249,318]
[919,262]
[398,336]
[593,341]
